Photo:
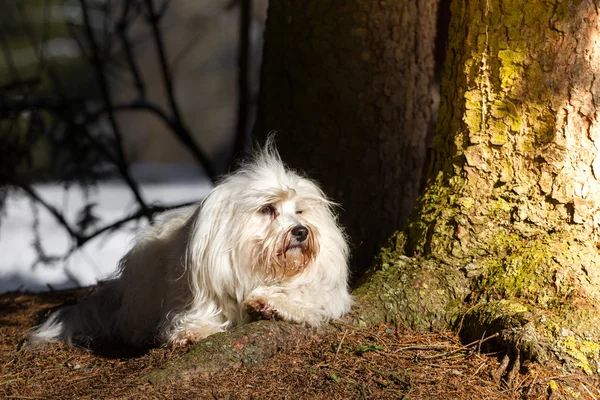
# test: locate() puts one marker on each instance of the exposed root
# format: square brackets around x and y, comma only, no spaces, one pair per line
[515,333]
[508,369]
[247,345]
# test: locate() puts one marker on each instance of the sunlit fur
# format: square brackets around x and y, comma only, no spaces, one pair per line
[205,269]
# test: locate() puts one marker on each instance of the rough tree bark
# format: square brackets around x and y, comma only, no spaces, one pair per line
[347,86]
[505,237]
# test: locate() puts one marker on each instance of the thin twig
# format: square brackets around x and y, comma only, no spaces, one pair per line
[480,341]
[423,347]
[344,324]
[57,214]
[340,345]
[74,114]
[588,392]
[483,364]
[81,238]
[243,78]
[121,28]
[182,132]
[465,347]
[153,209]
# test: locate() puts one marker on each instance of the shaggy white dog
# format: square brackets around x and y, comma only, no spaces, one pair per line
[263,244]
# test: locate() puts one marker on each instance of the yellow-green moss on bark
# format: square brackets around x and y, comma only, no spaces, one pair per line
[417,293]
[524,268]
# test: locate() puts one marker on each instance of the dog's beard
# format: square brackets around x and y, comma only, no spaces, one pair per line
[281,256]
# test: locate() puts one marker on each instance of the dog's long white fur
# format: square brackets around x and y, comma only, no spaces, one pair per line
[194,272]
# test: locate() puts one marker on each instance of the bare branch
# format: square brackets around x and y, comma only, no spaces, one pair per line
[182,133]
[243,78]
[121,28]
[71,126]
[57,214]
[8,58]
[154,209]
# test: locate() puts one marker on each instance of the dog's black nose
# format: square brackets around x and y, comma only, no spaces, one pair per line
[300,233]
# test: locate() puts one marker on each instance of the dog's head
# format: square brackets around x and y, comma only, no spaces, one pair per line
[278,217]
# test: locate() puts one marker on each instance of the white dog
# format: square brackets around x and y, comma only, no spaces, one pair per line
[263,244]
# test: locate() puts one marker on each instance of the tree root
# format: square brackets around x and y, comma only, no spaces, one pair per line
[516,335]
[509,367]
[247,345]
[419,294]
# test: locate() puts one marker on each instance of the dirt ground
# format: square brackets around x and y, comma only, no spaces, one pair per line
[384,362]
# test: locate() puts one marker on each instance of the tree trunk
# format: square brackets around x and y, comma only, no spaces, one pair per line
[347,86]
[511,207]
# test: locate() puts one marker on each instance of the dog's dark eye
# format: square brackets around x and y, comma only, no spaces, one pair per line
[267,210]
[299,212]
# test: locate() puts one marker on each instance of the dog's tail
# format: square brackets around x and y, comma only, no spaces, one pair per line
[80,324]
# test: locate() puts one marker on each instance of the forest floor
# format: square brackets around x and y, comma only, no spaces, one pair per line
[384,362]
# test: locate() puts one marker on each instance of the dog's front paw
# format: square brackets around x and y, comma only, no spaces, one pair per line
[259,308]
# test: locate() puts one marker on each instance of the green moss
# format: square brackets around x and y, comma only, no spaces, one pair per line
[490,220]
[418,293]
[511,69]
[500,208]
[388,254]
[507,111]
[511,320]
[573,334]
[519,267]
[545,131]
[525,145]
[500,109]
[499,136]
[393,249]
[499,314]
[472,119]
[473,99]
[583,352]
[247,345]
[431,229]
[513,15]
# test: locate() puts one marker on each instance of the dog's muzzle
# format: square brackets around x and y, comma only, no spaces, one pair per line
[288,255]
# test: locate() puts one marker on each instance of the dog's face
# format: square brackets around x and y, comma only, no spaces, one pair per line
[286,242]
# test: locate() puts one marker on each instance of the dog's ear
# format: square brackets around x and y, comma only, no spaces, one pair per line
[208,248]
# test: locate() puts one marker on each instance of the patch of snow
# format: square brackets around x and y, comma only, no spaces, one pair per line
[98,258]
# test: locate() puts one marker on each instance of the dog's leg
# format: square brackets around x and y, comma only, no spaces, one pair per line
[310,305]
[191,335]
[189,327]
